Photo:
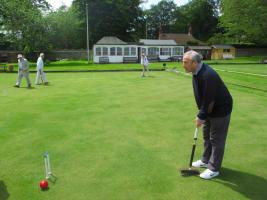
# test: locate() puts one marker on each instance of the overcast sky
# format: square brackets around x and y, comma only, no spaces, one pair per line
[57,3]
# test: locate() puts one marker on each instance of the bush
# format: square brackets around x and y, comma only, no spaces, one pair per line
[10,68]
[47,62]
[2,67]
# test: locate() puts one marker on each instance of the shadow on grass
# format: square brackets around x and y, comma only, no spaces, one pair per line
[249,185]
[25,87]
[3,191]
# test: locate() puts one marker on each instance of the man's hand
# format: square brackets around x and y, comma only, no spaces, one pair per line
[199,122]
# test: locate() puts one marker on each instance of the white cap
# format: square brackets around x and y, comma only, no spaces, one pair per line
[19,56]
[41,54]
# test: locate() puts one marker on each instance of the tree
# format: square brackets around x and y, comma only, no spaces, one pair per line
[109,18]
[201,16]
[160,18]
[246,23]
[65,28]
[23,21]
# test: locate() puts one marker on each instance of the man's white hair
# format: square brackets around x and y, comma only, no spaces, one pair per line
[195,56]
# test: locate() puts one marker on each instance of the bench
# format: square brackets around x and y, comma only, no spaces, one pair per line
[228,56]
[103,60]
[165,59]
[263,60]
[152,58]
[130,59]
[177,58]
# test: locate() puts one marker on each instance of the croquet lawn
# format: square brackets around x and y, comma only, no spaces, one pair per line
[117,136]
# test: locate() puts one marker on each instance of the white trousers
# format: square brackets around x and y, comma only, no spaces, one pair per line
[22,74]
[40,73]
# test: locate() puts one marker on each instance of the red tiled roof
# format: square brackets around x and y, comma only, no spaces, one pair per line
[180,38]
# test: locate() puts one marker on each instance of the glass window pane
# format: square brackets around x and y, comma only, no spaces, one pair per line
[98,51]
[119,51]
[126,51]
[153,51]
[143,51]
[112,51]
[133,51]
[105,51]
[165,51]
[177,51]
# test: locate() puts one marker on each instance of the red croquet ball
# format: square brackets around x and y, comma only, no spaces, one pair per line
[43,184]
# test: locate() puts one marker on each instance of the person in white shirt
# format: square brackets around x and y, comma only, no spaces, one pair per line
[144,62]
[23,71]
[40,70]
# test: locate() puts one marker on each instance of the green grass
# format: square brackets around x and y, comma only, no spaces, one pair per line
[83,65]
[68,65]
[239,60]
[61,65]
[247,75]
[119,136]
[245,68]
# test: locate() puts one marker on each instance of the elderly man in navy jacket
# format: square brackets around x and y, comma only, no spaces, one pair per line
[215,106]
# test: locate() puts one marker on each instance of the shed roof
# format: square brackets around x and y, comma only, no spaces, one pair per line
[158,42]
[110,40]
[219,46]
[200,47]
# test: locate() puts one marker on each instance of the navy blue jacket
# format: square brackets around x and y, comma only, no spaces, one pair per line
[212,97]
